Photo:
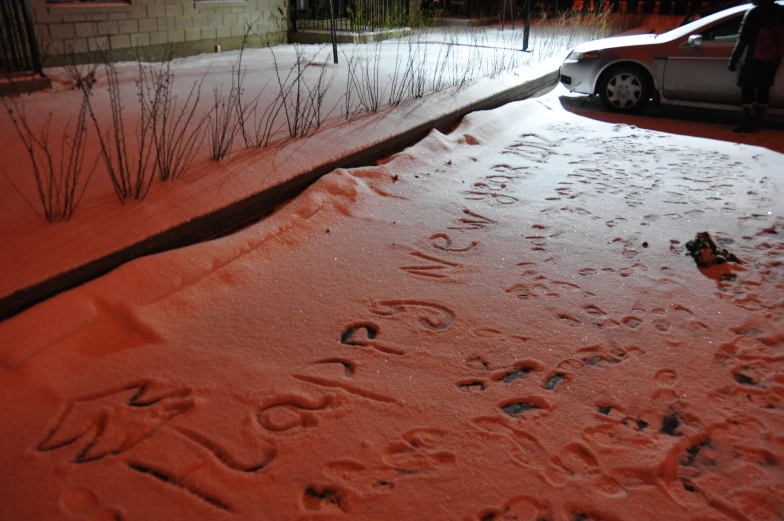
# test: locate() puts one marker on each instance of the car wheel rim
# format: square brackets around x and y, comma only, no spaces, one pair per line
[624,90]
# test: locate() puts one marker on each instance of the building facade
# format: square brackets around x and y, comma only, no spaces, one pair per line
[69,31]
[61,32]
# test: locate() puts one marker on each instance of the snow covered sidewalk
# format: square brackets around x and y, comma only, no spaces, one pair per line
[499,323]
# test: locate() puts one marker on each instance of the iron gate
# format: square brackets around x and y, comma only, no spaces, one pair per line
[18,46]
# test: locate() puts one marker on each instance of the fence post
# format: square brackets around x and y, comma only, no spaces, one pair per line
[293,16]
[35,52]
[334,34]
[527,26]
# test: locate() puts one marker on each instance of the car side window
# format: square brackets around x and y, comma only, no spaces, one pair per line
[726,31]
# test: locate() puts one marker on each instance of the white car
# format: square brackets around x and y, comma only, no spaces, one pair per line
[685,66]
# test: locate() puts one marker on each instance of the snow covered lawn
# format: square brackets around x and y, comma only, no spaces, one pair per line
[101,225]
[433,73]
[499,323]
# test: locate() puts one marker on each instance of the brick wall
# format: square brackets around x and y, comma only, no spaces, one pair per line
[81,31]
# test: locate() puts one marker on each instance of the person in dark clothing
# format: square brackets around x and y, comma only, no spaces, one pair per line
[759,60]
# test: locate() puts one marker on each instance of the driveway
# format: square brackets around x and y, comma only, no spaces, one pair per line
[710,124]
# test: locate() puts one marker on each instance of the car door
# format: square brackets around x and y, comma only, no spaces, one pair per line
[699,72]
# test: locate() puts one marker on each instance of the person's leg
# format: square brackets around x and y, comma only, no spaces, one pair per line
[761,106]
[747,96]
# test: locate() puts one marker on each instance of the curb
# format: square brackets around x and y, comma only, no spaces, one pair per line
[23,83]
[232,217]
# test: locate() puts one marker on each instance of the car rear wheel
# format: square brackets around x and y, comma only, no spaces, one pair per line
[625,89]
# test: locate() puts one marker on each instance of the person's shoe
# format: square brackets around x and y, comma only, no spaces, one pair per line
[759,115]
[746,121]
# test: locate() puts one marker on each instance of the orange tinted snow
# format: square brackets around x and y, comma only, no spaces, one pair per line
[473,331]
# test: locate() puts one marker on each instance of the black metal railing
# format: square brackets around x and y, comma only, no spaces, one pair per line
[18,46]
[665,7]
[477,9]
[370,15]
[350,15]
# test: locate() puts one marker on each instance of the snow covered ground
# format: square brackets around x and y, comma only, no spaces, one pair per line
[101,225]
[498,323]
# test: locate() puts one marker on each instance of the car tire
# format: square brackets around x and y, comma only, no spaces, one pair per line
[625,89]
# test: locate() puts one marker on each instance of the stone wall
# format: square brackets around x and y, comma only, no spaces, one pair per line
[81,31]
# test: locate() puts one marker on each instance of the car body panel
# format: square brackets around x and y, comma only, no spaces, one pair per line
[617,41]
[700,73]
[680,72]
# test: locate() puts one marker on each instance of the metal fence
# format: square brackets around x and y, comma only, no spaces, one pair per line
[350,15]
[18,47]
[476,9]
[665,7]
[370,15]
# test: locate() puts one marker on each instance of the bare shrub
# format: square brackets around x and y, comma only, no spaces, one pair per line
[224,121]
[440,79]
[364,82]
[402,74]
[464,61]
[264,120]
[299,98]
[418,84]
[317,93]
[176,131]
[232,114]
[351,107]
[409,77]
[229,115]
[243,107]
[60,182]
[301,101]
[130,169]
